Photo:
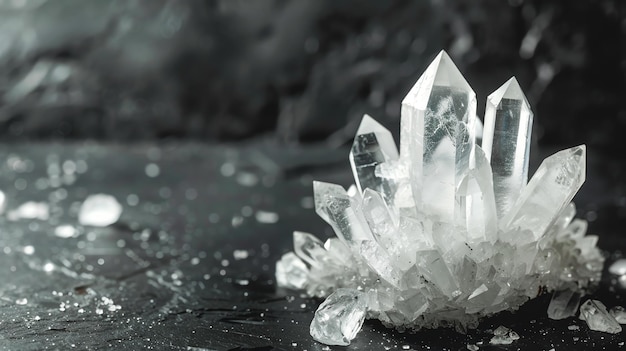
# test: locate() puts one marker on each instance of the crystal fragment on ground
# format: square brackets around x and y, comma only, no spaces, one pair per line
[619,313]
[99,210]
[291,272]
[564,304]
[339,318]
[595,314]
[503,336]
[506,141]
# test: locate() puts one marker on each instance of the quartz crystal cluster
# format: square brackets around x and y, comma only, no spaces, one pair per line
[445,231]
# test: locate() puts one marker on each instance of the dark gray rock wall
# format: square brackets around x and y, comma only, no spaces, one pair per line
[296,71]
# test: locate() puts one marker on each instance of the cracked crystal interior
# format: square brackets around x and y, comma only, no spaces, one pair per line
[446,231]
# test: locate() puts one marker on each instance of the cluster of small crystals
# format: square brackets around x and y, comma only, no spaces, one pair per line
[445,231]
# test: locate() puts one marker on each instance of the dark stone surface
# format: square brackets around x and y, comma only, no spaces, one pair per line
[171,262]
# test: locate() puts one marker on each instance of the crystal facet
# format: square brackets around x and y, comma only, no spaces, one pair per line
[339,318]
[597,318]
[506,141]
[447,233]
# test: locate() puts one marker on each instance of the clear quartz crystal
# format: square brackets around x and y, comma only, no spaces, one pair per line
[372,146]
[427,236]
[551,188]
[564,304]
[595,314]
[506,141]
[339,318]
[437,133]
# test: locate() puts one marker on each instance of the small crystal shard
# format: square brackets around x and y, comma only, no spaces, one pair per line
[506,141]
[438,120]
[595,314]
[99,210]
[372,146]
[339,318]
[503,336]
[619,313]
[564,304]
[551,188]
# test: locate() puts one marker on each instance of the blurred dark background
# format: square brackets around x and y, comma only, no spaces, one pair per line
[298,71]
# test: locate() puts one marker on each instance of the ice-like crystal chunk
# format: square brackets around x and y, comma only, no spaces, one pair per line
[595,314]
[619,313]
[291,272]
[551,188]
[564,304]
[99,210]
[372,146]
[506,141]
[437,131]
[339,318]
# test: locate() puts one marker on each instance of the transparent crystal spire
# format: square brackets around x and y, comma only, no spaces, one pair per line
[437,132]
[372,146]
[506,141]
[551,188]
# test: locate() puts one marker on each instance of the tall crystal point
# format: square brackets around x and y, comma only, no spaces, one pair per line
[437,133]
[372,146]
[551,188]
[506,142]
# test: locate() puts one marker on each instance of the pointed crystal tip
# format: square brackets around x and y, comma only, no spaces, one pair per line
[370,125]
[441,72]
[509,90]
